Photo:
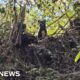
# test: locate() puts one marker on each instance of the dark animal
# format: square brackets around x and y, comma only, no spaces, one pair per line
[23,39]
[27,39]
[42,31]
[75,24]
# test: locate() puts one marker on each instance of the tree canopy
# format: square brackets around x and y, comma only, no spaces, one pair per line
[55,12]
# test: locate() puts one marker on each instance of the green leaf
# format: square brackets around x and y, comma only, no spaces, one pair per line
[77,57]
[70,13]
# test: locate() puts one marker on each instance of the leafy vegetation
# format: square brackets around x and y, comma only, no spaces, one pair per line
[56,57]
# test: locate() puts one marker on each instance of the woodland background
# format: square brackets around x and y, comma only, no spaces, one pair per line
[55,59]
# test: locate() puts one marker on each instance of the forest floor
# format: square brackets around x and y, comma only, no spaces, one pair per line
[51,60]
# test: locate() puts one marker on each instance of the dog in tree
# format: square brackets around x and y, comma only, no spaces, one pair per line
[42,31]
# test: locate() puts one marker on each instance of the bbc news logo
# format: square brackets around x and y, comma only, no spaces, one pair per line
[10,73]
